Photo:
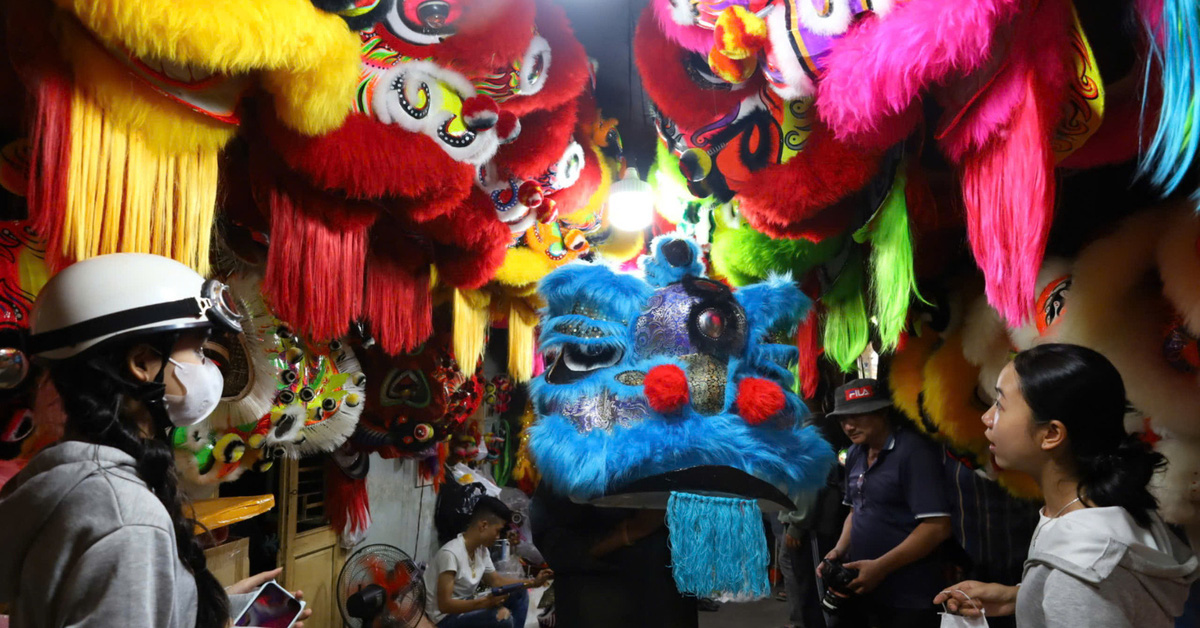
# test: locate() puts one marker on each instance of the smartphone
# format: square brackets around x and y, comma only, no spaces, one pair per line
[510,588]
[273,607]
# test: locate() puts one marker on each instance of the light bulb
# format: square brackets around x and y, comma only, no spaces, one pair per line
[631,202]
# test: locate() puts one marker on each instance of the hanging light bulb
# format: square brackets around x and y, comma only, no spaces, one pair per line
[631,202]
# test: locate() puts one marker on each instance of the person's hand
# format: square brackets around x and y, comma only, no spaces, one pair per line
[791,542]
[251,584]
[502,614]
[833,556]
[304,614]
[996,600]
[492,601]
[870,575]
[543,577]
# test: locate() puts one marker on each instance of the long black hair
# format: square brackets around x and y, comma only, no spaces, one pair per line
[1082,389]
[96,393]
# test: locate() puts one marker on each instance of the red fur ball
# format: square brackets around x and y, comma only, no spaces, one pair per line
[759,399]
[481,113]
[666,388]
[508,127]
[545,136]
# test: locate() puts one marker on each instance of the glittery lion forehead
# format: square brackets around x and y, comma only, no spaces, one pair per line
[594,291]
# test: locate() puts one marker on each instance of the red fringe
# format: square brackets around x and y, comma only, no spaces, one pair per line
[317,259]
[49,162]
[433,468]
[809,345]
[398,301]
[347,503]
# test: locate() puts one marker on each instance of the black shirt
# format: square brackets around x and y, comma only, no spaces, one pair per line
[905,485]
[631,587]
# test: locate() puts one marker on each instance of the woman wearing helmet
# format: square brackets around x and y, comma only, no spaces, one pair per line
[95,529]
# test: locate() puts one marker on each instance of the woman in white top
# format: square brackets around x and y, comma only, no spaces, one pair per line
[1101,555]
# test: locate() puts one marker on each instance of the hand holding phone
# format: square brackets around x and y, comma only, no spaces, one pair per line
[272,607]
[508,588]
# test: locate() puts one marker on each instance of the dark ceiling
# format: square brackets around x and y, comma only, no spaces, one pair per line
[606,29]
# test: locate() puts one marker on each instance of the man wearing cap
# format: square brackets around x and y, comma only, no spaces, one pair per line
[900,514]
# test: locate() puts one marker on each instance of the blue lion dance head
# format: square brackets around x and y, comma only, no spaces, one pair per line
[657,378]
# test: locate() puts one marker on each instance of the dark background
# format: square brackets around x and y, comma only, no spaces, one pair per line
[606,29]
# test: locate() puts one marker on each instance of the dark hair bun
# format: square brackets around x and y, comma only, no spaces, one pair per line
[1119,478]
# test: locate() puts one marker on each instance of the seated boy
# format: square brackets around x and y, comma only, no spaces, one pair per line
[464,562]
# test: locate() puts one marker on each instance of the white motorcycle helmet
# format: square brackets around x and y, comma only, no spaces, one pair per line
[111,296]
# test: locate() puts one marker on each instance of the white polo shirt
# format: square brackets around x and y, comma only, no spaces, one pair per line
[468,573]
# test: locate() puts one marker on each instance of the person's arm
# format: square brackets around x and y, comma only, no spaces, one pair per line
[1065,599]
[840,550]
[125,579]
[494,579]
[450,605]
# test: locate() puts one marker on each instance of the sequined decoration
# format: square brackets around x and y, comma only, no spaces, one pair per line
[578,329]
[706,382]
[632,378]
[590,311]
[662,329]
[603,412]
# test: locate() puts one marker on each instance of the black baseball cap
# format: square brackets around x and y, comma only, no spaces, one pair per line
[861,396]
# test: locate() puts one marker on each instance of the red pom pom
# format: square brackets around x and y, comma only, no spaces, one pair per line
[508,127]
[480,113]
[547,212]
[759,399]
[530,194]
[666,388]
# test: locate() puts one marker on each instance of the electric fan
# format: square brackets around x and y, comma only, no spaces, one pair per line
[381,587]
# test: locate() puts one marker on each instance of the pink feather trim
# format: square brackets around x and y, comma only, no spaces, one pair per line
[1008,190]
[1002,142]
[882,65]
[692,38]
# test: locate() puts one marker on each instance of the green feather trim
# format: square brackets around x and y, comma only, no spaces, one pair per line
[847,330]
[745,256]
[893,279]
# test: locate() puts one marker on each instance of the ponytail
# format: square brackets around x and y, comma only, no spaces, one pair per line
[1083,390]
[1120,478]
[93,394]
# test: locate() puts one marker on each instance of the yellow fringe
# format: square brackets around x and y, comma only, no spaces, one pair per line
[471,321]
[122,197]
[949,399]
[906,375]
[522,326]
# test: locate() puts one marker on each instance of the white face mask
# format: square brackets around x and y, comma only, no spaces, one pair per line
[958,621]
[204,385]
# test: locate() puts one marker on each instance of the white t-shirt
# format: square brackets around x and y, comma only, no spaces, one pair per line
[468,573]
